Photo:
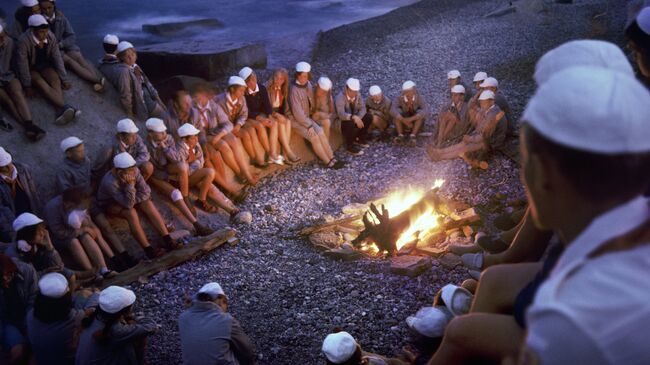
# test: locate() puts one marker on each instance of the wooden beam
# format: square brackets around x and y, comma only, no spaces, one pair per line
[172,259]
[323,226]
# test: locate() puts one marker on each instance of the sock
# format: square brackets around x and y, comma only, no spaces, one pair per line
[104,270]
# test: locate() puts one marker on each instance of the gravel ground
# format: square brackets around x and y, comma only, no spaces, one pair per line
[286,295]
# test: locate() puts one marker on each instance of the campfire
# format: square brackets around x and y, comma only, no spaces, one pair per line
[410,222]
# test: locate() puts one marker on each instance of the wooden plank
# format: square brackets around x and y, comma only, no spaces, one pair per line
[320,227]
[463,218]
[172,259]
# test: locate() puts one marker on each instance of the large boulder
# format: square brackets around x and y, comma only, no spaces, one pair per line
[205,59]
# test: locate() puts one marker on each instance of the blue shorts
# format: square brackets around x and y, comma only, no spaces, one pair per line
[11,337]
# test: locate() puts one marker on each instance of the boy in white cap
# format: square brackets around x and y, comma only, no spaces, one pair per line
[221,145]
[39,65]
[138,96]
[71,53]
[473,105]
[584,155]
[18,193]
[112,334]
[492,84]
[453,121]
[53,322]
[638,40]
[302,105]
[351,111]
[123,192]
[167,164]
[128,140]
[325,111]
[341,348]
[409,112]
[109,65]
[21,16]
[379,105]
[260,114]
[190,153]
[488,136]
[12,95]
[453,79]
[209,334]
[19,282]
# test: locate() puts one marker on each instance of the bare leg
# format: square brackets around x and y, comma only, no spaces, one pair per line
[154,216]
[181,171]
[326,124]
[326,145]
[284,135]
[166,189]
[217,163]
[8,104]
[240,156]
[79,255]
[146,169]
[202,179]
[399,125]
[93,251]
[49,84]
[226,153]
[15,90]
[101,242]
[274,145]
[220,200]
[417,125]
[479,336]
[500,285]
[106,229]
[74,61]
[379,123]
[262,135]
[454,151]
[247,141]
[132,218]
[258,150]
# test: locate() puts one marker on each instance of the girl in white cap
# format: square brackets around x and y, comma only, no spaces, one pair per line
[71,53]
[325,112]
[221,145]
[18,281]
[260,116]
[278,89]
[138,96]
[409,112]
[112,335]
[12,96]
[123,192]
[39,65]
[303,104]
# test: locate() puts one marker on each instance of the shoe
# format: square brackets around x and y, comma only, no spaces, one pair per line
[354,151]
[277,161]
[202,230]
[171,244]
[66,115]
[463,249]
[33,132]
[99,87]
[490,245]
[77,113]
[107,274]
[339,165]
[412,141]
[5,125]
[473,261]
[293,161]
[398,140]
[361,144]
[127,260]
[153,253]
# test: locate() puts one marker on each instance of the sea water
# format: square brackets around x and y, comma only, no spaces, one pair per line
[244,20]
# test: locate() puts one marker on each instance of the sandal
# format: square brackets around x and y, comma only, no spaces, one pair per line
[206,207]
[293,161]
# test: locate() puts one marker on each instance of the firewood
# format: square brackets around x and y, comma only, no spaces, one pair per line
[306,231]
[174,258]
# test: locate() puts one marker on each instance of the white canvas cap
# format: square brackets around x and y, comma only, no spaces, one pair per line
[582,53]
[325,83]
[70,142]
[374,90]
[457,299]
[339,347]
[115,298]
[155,125]
[111,39]
[29,3]
[353,84]
[127,126]
[2,29]
[5,157]
[187,130]
[486,94]
[245,72]
[592,109]
[53,285]
[407,85]
[480,76]
[490,82]
[458,89]
[236,80]
[25,220]
[213,289]
[303,67]
[453,74]
[643,20]
[36,20]
[123,160]
[430,321]
[123,46]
